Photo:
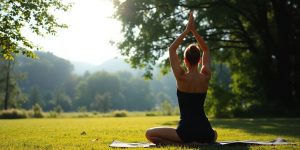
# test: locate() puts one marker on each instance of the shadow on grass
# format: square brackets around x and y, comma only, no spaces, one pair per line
[211,147]
[278,127]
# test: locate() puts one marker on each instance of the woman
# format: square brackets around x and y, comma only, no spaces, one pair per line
[192,86]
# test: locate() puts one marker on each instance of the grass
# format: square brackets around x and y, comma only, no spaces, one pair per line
[68,133]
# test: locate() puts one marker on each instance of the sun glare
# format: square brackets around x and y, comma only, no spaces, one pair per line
[87,39]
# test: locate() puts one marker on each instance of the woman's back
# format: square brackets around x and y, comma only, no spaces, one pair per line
[193,82]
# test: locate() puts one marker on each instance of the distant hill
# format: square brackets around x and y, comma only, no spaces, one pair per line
[81,67]
[112,65]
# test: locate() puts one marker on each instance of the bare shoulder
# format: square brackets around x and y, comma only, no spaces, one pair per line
[205,73]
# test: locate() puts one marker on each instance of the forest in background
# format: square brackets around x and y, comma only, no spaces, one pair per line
[50,81]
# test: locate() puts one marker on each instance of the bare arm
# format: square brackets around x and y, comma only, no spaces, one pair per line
[206,55]
[205,70]
[174,60]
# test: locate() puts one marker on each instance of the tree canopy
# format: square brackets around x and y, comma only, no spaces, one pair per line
[36,15]
[256,39]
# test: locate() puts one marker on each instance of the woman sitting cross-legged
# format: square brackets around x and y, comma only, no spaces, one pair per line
[192,86]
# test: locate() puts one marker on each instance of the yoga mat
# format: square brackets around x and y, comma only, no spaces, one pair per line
[278,141]
[120,144]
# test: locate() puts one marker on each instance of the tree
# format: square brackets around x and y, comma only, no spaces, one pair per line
[62,100]
[95,84]
[48,72]
[166,107]
[137,94]
[17,14]
[256,39]
[35,97]
[102,102]
[9,87]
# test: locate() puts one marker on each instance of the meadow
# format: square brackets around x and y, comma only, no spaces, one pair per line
[99,132]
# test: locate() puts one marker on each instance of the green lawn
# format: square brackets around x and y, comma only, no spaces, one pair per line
[65,133]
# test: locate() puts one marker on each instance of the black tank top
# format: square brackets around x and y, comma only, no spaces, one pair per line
[193,124]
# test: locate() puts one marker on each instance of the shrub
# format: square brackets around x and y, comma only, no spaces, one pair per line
[58,109]
[37,111]
[166,108]
[151,113]
[176,111]
[13,114]
[52,114]
[83,115]
[82,109]
[120,113]
[95,113]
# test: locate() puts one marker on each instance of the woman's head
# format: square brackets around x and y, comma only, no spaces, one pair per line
[192,55]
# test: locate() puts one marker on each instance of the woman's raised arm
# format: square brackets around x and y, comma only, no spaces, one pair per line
[174,60]
[205,70]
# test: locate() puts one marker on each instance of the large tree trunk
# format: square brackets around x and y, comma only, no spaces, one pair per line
[6,98]
[284,88]
[297,72]
[295,56]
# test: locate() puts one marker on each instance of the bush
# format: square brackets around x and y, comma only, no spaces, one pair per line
[166,108]
[95,113]
[151,113]
[52,114]
[120,113]
[82,109]
[13,114]
[83,115]
[176,111]
[58,109]
[37,111]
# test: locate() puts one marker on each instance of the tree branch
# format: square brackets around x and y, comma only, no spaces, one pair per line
[229,47]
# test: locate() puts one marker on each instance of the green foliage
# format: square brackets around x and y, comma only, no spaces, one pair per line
[104,91]
[48,82]
[120,113]
[97,83]
[83,115]
[35,97]
[37,111]
[166,108]
[10,91]
[13,114]
[256,40]
[62,100]
[82,109]
[151,113]
[55,69]
[37,15]
[137,94]
[52,114]
[102,103]
[58,109]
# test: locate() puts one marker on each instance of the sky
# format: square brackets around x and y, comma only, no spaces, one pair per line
[87,38]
